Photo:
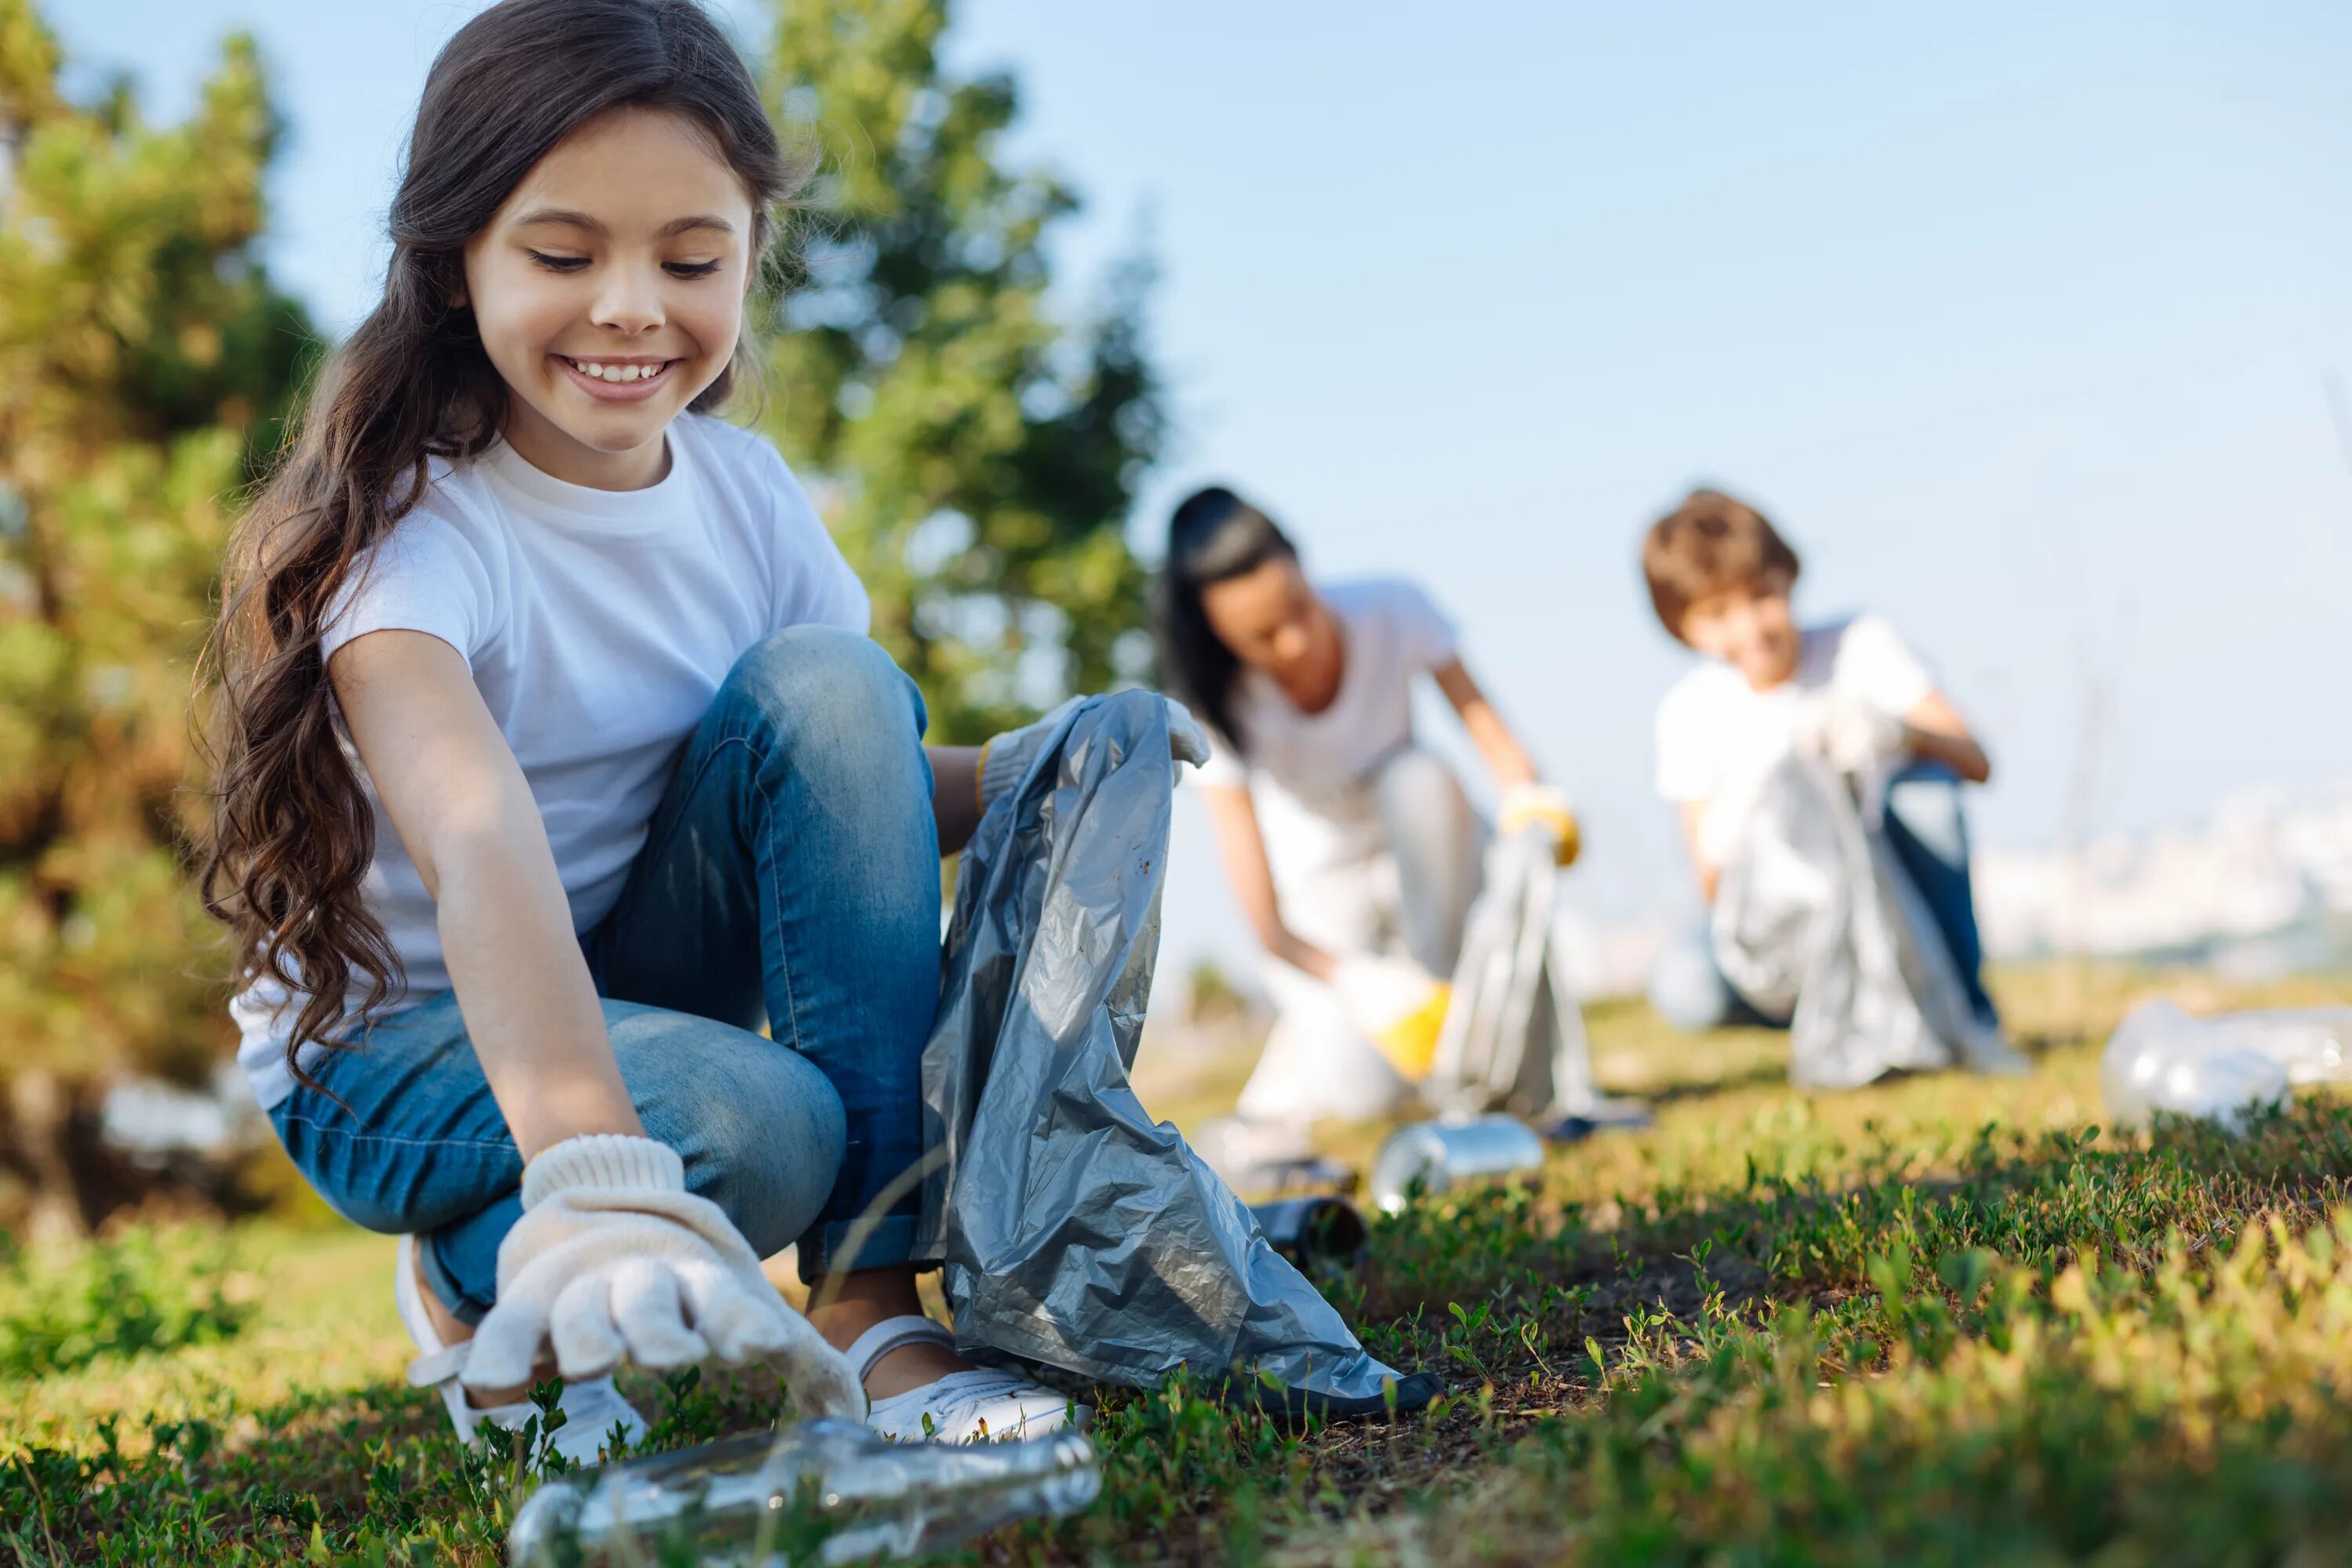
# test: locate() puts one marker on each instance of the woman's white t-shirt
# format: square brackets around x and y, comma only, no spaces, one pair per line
[1306,772]
[598,626]
[1718,737]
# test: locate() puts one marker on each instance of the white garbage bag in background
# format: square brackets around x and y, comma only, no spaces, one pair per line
[1816,921]
[2162,1059]
[1514,1037]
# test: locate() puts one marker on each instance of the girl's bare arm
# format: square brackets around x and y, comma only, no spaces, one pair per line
[1243,848]
[465,814]
[1506,759]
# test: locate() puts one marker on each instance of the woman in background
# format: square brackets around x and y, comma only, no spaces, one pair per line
[1353,851]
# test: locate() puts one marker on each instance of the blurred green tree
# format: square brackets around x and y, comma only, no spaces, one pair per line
[145,364]
[976,458]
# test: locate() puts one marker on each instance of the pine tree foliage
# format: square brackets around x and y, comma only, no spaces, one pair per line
[145,361]
[975,457]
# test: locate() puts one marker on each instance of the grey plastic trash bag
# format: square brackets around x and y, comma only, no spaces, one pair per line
[1513,1038]
[1814,919]
[1075,1231]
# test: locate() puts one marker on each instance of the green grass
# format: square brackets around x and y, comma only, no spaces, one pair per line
[1943,1320]
[60,1312]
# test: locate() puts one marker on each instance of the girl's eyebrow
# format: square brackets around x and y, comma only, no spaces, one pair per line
[572,220]
[699,220]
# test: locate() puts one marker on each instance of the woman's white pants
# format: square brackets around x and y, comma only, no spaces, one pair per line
[1409,892]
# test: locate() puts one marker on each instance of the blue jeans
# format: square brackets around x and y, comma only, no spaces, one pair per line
[790,875]
[1929,835]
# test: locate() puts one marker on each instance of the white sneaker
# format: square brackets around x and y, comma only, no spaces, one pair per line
[978,1405]
[590,1408]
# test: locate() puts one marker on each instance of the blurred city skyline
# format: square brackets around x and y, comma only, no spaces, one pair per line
[2020,325]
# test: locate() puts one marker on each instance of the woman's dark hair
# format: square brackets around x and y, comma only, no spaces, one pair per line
[1214,535]
[292,832]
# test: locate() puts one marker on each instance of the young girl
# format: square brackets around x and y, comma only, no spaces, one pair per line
[556,763]
[1354,851]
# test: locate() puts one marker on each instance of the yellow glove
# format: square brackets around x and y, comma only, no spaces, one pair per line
[1540,806]
[1399,1005]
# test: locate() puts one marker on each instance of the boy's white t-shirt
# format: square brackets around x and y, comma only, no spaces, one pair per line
[1718,737]
[1306,772]
[598,626]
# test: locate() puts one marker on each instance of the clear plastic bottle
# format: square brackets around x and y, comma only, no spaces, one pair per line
[819,1491]
[2161,1058]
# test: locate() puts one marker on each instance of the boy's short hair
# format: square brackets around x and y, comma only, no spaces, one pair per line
[1710,542]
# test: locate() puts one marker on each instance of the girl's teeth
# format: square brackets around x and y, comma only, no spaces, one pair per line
[617,372]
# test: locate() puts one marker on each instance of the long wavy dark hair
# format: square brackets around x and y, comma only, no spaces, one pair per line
[1214,535]
[293,832]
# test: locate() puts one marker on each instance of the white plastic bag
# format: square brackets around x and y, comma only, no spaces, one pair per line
[1816,921]
[1514,1037]
[2220,1068]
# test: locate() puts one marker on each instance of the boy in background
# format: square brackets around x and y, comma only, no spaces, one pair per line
[1848,689]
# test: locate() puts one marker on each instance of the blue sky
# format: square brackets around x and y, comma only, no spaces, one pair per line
[2019,322]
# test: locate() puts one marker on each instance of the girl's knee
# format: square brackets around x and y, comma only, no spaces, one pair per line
[762,1134]
[826,687]
[780,1151]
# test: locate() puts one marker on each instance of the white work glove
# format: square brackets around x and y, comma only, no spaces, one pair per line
[1006,758]
[1400,1005]
[1848,735]
[1541,807]
[612,1258]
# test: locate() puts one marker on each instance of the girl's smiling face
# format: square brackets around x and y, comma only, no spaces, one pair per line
[608,291]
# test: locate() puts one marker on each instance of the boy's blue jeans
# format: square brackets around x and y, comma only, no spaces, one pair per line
[791,875]
[1930,838]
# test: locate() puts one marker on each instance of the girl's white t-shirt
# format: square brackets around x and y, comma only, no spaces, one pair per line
[1307,772]
[598,626]
[1718,737]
